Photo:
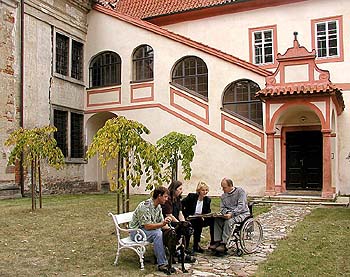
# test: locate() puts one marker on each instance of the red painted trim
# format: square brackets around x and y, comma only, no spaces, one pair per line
[260,148]
[183,40]
[97,91]
[274,42]
[340,58]
[194,101]
[297,102]
[187,120]
[231,8]
[343,86]
[141,99]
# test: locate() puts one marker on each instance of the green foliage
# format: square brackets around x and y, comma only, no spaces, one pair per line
[123,137]
[35,144]
[175,147]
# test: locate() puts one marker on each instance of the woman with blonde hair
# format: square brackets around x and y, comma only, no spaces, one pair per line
[198,203]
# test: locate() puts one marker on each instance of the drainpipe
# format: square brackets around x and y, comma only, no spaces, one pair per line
[21,100]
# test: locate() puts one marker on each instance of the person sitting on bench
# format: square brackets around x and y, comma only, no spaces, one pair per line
[148,217]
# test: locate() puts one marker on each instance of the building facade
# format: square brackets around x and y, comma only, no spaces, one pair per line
[261,84]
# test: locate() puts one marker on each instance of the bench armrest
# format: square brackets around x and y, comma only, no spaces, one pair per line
[140,235]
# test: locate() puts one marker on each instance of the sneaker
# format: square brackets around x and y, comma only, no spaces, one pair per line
[214,245]
[221,248]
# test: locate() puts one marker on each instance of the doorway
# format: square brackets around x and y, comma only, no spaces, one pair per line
[304,160]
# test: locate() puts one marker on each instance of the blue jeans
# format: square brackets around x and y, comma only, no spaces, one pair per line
[155,237]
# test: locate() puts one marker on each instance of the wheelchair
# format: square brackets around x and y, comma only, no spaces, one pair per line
[246,236]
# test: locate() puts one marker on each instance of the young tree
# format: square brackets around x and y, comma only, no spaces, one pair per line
[35,145]
[175,147]
[121,140]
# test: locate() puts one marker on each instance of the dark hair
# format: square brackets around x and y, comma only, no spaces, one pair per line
[229,182]
[159,191]
[173,187]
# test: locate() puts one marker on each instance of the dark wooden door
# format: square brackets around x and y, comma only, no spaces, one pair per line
[304,160]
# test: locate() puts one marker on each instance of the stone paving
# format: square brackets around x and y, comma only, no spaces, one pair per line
[277,223]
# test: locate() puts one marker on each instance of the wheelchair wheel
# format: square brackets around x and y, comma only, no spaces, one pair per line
[251,235]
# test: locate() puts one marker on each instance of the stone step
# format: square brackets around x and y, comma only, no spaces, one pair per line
[9,191]
[303,200]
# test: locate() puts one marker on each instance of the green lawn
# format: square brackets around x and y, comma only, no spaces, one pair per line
[72,236]
[318,246]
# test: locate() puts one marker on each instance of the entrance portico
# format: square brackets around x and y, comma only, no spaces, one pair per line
[302,106]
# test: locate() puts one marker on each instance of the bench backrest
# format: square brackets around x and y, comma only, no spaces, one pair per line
[123,218]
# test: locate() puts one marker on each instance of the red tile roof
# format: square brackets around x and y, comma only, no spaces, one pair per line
[151,8]
[183,40]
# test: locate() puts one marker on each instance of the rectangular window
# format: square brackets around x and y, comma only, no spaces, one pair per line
[62,46]
[69,57]
[69,135]
[327,39]
[77,60]
[263,46]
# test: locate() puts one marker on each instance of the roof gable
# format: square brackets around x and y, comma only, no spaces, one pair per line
[184,40]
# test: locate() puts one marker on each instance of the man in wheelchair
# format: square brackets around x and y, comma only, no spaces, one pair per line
[234,209]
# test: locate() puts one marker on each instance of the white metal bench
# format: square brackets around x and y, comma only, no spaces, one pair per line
[138,244]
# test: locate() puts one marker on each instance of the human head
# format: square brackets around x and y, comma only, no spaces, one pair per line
[175,189]
[159,191]
[202,185]
[227,184]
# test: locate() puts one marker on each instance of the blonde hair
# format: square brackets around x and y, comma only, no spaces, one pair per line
[202,184]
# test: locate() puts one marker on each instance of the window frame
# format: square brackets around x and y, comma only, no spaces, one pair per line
[144,59]
[117,69]
[68,75]
[250,101]
[68,157]
[327,59]
[251,32]
[196,76]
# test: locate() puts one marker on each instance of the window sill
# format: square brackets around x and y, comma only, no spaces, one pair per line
[193,93]
[141,81]
[247,120]
[68,79]
[75,161]
[329,59]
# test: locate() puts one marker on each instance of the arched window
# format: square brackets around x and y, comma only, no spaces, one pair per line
[105,70]
[192,73]
[142,60]
[239,98]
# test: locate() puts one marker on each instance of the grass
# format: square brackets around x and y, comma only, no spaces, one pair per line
[318,246]
[72,236]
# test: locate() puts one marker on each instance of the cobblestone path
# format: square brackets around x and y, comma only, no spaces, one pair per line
[277,223]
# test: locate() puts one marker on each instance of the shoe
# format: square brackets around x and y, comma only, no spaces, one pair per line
[189,259]
[214,245]
[221,248]
[164,268]
[198,249]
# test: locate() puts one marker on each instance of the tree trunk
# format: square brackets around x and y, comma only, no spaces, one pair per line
[40,186]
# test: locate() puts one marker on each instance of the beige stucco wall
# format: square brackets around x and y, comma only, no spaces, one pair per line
[43,88]
[233,38]
[214,158]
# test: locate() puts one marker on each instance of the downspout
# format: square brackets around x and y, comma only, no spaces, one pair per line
[21,100]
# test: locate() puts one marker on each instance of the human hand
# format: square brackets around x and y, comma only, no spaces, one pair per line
[167,220]
[228,216]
